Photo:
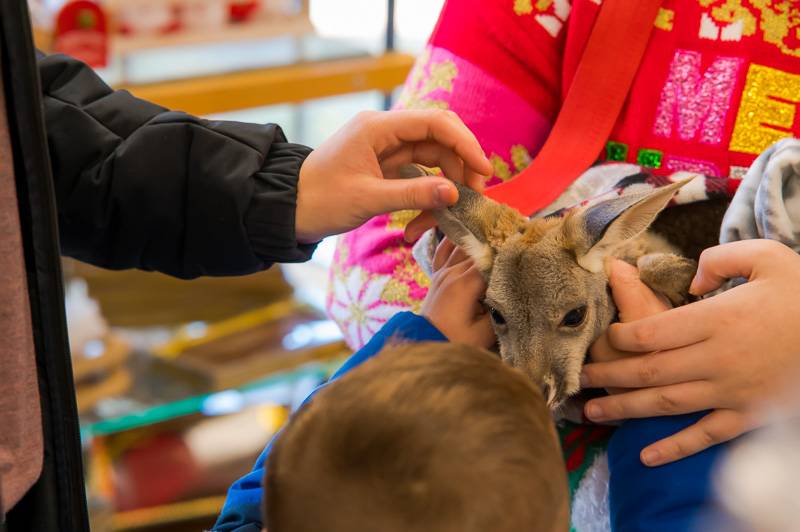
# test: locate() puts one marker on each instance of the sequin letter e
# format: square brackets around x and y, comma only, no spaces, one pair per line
[768,108]
[693,101]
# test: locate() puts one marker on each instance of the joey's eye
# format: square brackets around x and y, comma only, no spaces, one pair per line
[496,316]
[574,317]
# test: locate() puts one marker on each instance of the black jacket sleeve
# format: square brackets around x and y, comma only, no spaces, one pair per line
[139,186]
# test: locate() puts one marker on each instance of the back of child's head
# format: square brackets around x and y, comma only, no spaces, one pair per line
[434,437]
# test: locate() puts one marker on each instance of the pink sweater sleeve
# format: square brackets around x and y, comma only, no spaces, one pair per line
[498,66]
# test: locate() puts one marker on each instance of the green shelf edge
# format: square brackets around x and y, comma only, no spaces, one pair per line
[192,405]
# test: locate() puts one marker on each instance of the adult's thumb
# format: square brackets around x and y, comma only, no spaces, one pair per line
[420,193]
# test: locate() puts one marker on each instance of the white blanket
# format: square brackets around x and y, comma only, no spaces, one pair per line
[767,203]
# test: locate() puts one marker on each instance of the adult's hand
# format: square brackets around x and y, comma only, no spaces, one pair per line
[354,175]
[729,353]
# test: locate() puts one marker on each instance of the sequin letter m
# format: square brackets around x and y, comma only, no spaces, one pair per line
[695,102]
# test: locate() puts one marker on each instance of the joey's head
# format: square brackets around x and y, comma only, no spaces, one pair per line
[547,290]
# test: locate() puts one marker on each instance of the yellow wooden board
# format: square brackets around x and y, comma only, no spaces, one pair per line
[268,86]
[170,513]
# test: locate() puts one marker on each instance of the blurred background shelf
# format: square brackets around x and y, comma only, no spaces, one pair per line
[263,27]
[268,86]
[281,387]
[135,26]
[181,384]
[188,515]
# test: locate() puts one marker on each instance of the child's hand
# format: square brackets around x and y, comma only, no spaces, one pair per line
[728,353]
[351,177]
[453,300]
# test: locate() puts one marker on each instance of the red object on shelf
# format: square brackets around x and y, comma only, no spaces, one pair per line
[156,472]
[81,31]
[147,19]
[241,10]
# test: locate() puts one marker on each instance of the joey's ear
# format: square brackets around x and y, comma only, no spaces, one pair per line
[475,223]
[407,171]
[479,225]
[597,230]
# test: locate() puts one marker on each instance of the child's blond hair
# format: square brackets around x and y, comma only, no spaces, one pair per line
[435,437]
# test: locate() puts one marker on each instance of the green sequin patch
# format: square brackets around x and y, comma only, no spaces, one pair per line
[616,151]
[649,158]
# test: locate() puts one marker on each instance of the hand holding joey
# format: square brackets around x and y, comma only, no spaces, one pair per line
[354,175]
[728,353]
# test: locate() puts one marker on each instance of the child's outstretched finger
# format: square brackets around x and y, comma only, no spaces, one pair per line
[473,286]
[474,282]
[453,272]
[442,253]
[456,257]
[418,225]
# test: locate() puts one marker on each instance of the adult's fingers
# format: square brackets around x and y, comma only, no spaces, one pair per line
[737,259]
[601,351]
[419,225]
[674,328]
[474,180]
[428,154]
[651,402]
[388,130]
[634,299]
[395,166]
[423,193]
[717,427]
[655,369]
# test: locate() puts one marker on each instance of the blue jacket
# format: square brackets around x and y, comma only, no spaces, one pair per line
[667,498]
[670,498]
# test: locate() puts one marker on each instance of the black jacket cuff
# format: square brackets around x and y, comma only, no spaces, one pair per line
[270,219]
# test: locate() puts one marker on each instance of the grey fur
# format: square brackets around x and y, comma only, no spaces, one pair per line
[538,271]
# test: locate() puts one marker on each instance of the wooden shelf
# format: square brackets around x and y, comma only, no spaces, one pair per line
[265,27]
[167,514]
[239,90]
[268,86]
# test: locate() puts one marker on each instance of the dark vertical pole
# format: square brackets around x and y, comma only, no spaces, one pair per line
[387,99]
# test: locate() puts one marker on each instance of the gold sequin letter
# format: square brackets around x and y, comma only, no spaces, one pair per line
[763,118]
